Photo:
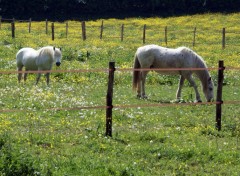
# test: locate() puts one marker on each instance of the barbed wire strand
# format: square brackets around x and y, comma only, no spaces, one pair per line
[117,69]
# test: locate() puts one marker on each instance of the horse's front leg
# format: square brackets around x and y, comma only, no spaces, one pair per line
[180,86]
[192,82]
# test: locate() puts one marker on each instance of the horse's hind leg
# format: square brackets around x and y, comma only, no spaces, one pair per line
[38,78]
[180,86]
[48,78]
[19,74]
[25,76]
[142,83]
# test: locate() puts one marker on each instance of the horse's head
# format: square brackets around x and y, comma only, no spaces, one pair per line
[208,90]
[57,56]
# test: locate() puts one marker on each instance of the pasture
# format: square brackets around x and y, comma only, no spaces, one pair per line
[43,133]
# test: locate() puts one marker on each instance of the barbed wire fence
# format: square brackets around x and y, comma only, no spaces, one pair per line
[109,97]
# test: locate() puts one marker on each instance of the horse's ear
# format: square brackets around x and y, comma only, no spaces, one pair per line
[209,79]
[54,48]
[60,49]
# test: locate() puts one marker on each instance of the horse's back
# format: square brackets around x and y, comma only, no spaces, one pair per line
[167,53]
[159,57]
[154,56]
[27,58]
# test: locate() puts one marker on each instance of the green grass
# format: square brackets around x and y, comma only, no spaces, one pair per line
[38,139]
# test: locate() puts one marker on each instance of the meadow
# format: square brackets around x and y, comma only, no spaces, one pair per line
[42,131]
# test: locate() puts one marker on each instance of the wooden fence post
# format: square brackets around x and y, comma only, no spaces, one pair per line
[84,37]
[46,26]
[101,30]
[144,33]
[219,95]
[194,36]
[29,25]
[53,32]
[109,98]
[223,38]
[166,39]
[66,29]
[0,22]
[13,28]
[122,31]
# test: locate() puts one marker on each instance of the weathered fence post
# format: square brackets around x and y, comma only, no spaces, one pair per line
[0,22]
[84,37]
[223,38]
[144,33]
[166,39]
[13,28]
[219,101]
[46,26]
[29,25]
[194,36]
[109,98]
[53,31]
[66,29]
[101,30]
[122,31]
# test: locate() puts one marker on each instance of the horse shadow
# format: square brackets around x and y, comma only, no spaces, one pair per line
[164,101]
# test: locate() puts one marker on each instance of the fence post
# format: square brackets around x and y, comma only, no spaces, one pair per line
[101,30]
[29,25]
[46,26]
[53,32]
[219,101]
[223,38]
[144,33]
[13,28]
[84,31]
[109,99]
[66,29]
[122,30]
[166,39]
[194,36]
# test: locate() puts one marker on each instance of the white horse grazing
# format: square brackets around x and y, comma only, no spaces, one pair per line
[153,56]
[41,59]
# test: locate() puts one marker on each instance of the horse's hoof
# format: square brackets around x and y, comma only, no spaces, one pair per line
[138,96]
[198,101]
[142,97]
[178,100]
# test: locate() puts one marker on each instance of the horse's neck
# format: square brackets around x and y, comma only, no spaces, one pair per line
[203,76]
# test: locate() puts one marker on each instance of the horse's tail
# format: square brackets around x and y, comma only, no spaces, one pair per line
[136,73]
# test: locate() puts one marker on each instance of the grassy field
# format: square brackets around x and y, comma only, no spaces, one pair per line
[178,139]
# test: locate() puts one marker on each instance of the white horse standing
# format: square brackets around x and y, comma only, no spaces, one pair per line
[153,56]
[42,59]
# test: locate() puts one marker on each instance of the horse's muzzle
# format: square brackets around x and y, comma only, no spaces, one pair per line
[58,64]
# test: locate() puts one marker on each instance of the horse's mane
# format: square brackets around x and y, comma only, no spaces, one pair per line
[46,50]
[203,75]
[197,59]
[49,50]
